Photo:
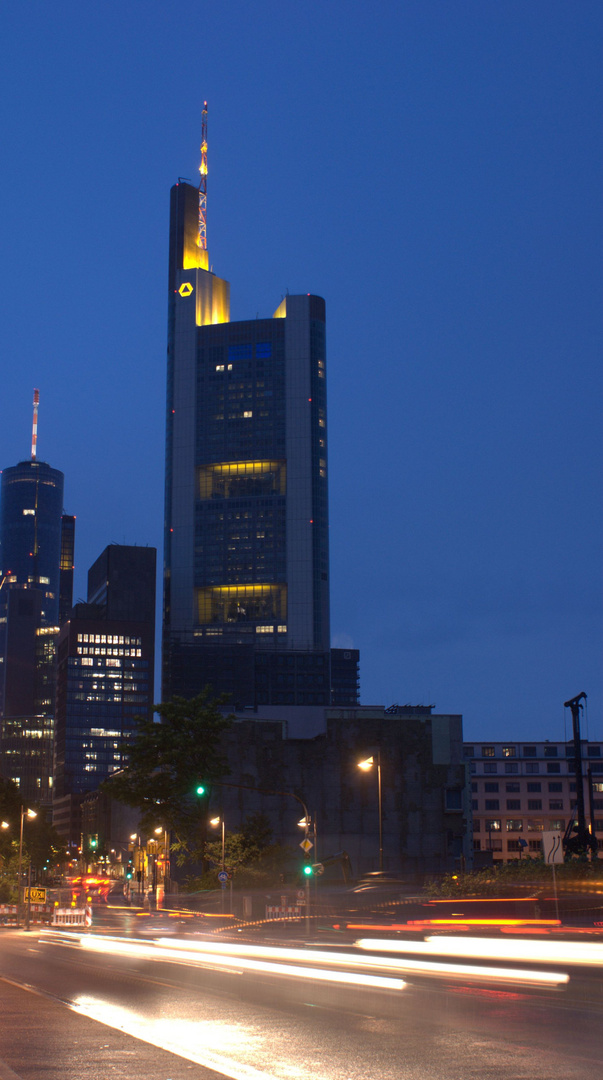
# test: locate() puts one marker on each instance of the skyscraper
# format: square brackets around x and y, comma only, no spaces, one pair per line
[246,580]
[33,588]
[105,669]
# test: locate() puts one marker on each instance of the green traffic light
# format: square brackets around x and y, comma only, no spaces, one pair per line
[93,842]
[201,790]
[308,871]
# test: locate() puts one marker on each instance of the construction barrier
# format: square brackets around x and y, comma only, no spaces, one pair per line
[288,912]
[38,913]
[72,916]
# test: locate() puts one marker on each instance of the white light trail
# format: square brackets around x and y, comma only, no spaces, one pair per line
[528,951]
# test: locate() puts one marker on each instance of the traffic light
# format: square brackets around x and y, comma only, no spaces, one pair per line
[308,870]
[200,790]
[129,871]
[93,842]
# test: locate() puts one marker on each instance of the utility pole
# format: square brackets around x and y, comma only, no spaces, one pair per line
[582,841]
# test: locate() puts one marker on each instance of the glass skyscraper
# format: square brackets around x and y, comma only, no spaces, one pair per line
[34,591]
[246,577]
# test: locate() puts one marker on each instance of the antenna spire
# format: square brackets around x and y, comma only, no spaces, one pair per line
[202,241]
[34,427]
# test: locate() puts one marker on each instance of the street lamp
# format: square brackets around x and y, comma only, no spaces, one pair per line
[30,814]
[215,822]
[366,766]
[166,860]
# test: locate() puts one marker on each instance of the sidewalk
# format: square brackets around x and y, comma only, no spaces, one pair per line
[41,1039]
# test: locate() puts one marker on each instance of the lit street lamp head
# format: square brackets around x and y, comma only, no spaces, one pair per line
[214,821]
[367,764]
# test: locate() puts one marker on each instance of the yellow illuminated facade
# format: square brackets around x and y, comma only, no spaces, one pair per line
[233,478]
[241,603]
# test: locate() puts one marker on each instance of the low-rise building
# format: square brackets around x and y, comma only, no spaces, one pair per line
[521,789]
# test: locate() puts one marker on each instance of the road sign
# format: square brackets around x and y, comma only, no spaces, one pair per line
[318,868]
[222,877]
[301,895]
[306,845]
[552,845]
[36,896]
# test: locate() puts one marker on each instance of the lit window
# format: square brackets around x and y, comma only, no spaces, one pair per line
[283,630]
[514,825]
[32,512]
[508,751]
[87,661]
[493,824]
[487,751]
[248,413]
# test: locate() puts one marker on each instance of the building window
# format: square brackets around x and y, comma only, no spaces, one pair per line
[553,767]
[487,751]
[469,751]
[550,751]
[493,824]
[535,825]
[555,785]
[491,785]
[555,804]
[454,799]
[511,767]
[492,804]
[474,804]
[535,845]
[535,785]
[508,751]
[513,804]
[474,786]
[477,845]
[532,767]
[596,787]
[534,804]
[594,751]
[557,825]
[490,767]
[477,825]
[495,845]
[512,785]
[529,751]
[514,825]
[513,845]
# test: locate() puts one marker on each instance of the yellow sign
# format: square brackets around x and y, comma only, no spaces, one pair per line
[185,289]
[37,896]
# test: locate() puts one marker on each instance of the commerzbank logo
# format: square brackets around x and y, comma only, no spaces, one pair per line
[185,289]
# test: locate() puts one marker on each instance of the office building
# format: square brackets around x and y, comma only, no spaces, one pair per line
[521,789]
[246,582]
[34,592]
[105,671]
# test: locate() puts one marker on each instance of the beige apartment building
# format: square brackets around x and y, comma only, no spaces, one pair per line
[521,789]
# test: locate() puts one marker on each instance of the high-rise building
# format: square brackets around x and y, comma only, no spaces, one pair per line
[34,592]
[246,586]
[105,669]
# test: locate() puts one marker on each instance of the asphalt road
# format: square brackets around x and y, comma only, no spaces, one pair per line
[93,1014]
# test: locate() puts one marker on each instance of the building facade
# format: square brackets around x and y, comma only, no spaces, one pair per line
[105,671]
[35,592]
[521,789]
[246,577]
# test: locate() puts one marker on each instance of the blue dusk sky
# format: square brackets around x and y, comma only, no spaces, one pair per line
[434,170]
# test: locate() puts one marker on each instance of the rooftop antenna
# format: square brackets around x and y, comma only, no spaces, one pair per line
[202,241]
[34,427]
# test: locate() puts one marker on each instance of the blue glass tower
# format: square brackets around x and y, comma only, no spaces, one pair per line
[246,576]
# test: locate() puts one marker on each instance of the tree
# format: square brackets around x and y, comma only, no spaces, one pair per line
[250,855]
[41,842]
[167,762]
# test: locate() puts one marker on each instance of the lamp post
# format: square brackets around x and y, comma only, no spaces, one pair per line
[166,860]
[215,822]
[137,838]
[366,766]
[30,814]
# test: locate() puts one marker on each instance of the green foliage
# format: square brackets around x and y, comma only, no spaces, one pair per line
[250,855]
[41,842]
[493,881]
[166,764]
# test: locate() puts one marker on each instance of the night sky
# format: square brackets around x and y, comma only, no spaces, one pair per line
[434,170]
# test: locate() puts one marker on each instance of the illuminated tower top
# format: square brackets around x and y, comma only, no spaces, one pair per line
[203,185]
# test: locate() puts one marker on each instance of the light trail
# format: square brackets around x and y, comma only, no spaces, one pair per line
[538,952]
[237,963]
[346,968]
